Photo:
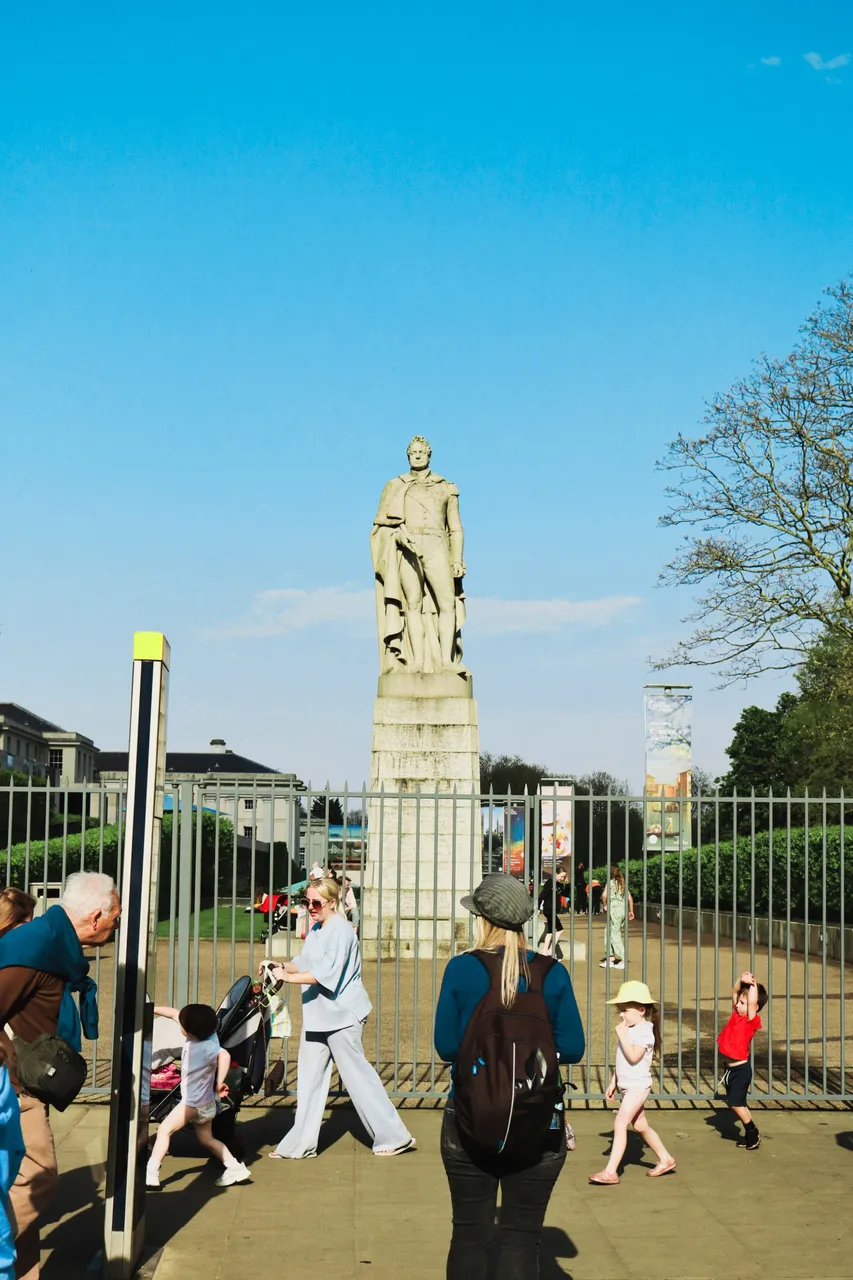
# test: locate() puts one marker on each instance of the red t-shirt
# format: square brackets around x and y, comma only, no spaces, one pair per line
[735,1038]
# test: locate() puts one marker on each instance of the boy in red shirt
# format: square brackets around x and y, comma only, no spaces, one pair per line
[748,997]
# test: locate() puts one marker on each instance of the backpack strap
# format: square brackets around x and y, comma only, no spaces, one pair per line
[493,964]
[540,967]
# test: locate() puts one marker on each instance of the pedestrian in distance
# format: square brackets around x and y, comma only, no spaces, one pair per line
[549,900]
[734,1041]
[335,1007]
[41,965]
[204,1066]
[11,1155]
[613,902]
[505,1021]
[638,1033]
[581,895]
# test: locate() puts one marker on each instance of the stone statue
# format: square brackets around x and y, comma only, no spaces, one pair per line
[416,545]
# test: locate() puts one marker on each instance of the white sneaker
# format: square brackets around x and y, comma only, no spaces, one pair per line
[618,964]
[152,1177]
[237,1173]
[604,964]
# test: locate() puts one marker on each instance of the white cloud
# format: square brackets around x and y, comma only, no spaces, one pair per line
[832,64]
[771,62]
[492,616]
[281,611]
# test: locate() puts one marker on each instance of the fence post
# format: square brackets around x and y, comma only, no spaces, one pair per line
[185,874]
[124,1218]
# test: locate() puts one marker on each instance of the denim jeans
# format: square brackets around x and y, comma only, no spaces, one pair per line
[525,1193]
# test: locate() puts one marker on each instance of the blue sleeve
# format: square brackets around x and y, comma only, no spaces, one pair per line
[463,986]
[328,956]
[564,1014]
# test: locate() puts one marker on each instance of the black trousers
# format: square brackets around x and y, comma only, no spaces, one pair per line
[474,1185]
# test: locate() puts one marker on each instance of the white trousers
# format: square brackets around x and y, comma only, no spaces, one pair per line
[318,1052]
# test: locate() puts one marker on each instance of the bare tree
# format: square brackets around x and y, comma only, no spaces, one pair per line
[768,490]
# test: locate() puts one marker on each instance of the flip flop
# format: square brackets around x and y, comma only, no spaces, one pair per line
[604,1179]
[411,1145]
[665,1166]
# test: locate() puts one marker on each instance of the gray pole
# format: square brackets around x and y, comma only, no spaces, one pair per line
[124,1224]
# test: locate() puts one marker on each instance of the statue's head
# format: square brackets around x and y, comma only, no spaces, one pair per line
[419,452]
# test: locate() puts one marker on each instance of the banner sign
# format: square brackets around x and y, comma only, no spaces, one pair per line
[514,861]
[668,714]
[556,809]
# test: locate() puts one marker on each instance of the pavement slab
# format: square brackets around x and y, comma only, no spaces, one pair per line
[726,1214]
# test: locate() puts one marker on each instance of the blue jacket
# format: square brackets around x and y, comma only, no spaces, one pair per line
[11,1155]
[463,986]
[50,945]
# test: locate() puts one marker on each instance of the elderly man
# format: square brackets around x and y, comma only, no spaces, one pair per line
[41,963]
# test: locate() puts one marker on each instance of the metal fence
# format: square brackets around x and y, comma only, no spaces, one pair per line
[752,883]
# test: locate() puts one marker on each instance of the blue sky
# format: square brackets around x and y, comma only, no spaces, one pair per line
[246,255]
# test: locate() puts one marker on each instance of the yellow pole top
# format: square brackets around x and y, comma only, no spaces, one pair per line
[151,646]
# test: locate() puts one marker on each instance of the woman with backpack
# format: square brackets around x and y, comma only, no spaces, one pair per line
[506,1019]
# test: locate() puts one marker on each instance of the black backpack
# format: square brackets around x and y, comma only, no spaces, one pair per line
[507,1081]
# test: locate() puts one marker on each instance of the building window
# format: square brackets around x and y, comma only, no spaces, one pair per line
[249,804]
[247,832]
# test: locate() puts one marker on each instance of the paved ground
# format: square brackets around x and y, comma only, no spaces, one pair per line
[810,1010]
[781,1212]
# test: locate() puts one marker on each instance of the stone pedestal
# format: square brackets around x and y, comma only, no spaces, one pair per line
[424,837]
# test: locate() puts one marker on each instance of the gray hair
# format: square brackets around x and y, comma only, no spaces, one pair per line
[86,892]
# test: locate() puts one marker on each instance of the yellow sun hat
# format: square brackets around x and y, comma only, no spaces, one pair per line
[632,993]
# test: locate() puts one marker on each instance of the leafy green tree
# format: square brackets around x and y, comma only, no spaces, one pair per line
[819,728]
[760,751]
[328,809]
[510,773]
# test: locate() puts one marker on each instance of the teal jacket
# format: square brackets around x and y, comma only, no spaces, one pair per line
[11,1155]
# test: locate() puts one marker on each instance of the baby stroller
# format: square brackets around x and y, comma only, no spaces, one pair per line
[243,1027]
[281,916]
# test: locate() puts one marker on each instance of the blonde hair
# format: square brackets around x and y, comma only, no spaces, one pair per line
[328,889]
[492,937]
[16,907]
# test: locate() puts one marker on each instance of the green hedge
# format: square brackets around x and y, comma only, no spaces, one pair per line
[84,853]
[732,862]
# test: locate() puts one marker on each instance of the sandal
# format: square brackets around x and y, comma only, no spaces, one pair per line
[663,1166]
[411,1145]
[604,1179]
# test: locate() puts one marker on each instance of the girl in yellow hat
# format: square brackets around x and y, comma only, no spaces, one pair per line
[638,1032]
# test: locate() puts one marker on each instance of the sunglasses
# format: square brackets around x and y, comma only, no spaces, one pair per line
[314,904]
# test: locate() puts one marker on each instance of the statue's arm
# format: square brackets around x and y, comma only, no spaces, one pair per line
[457,537]
[385,515]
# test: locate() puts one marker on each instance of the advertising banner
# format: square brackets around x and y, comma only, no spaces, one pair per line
[668,716]
[514,862]
[556,810]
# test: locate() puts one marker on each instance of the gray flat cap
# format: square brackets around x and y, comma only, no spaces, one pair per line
[501,899]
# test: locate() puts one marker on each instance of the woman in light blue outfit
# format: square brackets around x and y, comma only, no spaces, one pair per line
[11,1155]
[335,1006]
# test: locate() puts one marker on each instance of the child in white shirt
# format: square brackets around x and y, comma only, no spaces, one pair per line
[204,1066]
[638,1031]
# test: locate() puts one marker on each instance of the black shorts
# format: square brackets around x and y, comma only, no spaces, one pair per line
[736,1081]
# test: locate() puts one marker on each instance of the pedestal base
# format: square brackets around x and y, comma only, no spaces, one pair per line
[424,837]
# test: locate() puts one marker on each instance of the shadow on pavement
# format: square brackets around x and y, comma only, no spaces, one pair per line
[74,1241]
[845,1139]
[725,1124]
[635,1151]
[556,1245]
